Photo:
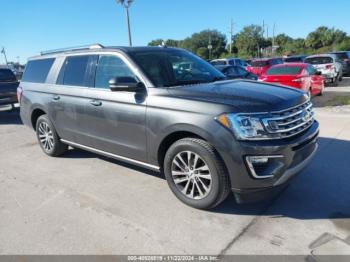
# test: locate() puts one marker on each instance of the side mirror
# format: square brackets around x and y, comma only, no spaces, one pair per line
[318,73]
[126,84]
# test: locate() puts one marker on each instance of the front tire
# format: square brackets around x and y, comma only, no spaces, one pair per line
[48,139]
[196,174]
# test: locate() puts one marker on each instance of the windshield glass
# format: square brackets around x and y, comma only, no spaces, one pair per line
[259,63]
[6,75]
[171,67]
[284,70]
[319,60]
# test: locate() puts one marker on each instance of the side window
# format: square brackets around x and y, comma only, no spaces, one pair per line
[75,71]
[231,62]
[109,67]
[232,71]
[36,71]
[241,71]
[311,70]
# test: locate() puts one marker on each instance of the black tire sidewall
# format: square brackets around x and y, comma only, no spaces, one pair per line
[210,160]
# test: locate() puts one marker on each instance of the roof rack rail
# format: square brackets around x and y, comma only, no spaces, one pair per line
[61,50]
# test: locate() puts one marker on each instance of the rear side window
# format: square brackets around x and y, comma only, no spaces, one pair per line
[75,71]
[284,70]
[36,71]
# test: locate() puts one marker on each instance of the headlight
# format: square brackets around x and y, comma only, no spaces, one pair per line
[245,127]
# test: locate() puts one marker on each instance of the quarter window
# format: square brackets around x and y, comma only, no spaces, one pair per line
[36,71]
[109,67]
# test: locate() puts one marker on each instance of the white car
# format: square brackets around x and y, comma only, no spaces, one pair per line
[328,65]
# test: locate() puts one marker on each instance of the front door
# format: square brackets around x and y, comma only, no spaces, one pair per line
[115,121]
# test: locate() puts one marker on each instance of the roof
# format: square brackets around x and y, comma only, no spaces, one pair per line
[100,48]
[321,55]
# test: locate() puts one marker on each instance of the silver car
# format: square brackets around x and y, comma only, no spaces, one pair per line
[328,65]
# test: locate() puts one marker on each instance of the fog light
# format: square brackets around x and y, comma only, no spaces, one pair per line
[264,166]
[257,159]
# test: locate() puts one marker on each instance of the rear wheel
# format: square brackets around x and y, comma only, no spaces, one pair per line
[48,139]
[196,174]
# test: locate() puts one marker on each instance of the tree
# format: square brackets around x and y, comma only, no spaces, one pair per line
[324,37]
[249,41]
[200,41]
[156,42]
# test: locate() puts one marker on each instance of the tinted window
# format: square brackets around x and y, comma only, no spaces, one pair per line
[232,62]
[259,63]
[170,67]
[284,70]
[74,71]
[37,70]
[6,75]
[319,60]
[241,70]
[342,56]
[293,59]
[231,71]
[109,67]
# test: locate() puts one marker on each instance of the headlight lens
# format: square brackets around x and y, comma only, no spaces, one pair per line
[245,127]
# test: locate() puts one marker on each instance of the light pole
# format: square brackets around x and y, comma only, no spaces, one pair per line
[4,53]
[126,4]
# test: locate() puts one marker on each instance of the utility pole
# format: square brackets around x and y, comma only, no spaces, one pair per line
[231,34]
[126,4]
[273,37]
[4,53]
[210,46]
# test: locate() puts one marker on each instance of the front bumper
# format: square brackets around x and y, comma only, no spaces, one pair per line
[8,100]
[294,154]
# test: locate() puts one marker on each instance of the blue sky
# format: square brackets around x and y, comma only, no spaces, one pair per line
[29,26]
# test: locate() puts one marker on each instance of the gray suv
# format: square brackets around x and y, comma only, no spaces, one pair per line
[208,135]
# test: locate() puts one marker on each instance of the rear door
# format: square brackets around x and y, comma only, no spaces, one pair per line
[69,98]
[115,122]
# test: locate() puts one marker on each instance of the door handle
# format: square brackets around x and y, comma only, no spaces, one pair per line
[96,103]
[56,97]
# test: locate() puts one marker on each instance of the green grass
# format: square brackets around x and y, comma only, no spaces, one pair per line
[340,101]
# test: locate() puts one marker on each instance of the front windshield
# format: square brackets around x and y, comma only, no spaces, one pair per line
[172,67]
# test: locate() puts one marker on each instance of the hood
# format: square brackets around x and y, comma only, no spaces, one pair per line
[245,95]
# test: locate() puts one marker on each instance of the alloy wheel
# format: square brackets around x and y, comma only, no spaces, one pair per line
[46,137]
[191,175]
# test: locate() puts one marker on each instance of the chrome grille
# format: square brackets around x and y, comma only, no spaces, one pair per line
[291,121]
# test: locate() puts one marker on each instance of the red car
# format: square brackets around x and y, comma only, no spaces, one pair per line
[298,75]
[259,66]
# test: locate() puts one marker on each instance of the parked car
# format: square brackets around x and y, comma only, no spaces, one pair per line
[295,59]
[328,65]
[344,57]
[207,135]
[298,75]
[8,89]
[228,61]
[259,66]
[236,72]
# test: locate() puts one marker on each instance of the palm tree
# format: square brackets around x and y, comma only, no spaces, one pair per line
[126,4]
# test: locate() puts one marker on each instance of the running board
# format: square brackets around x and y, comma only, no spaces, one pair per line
[117,157]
